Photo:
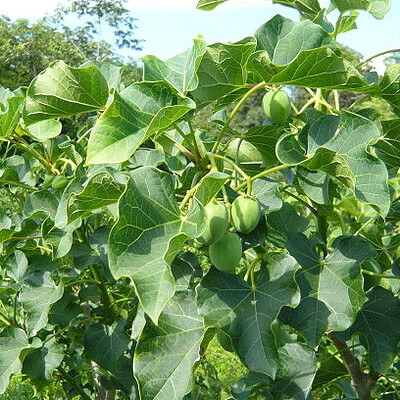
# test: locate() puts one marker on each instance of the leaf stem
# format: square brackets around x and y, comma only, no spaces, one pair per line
[236,167]
[106,298]
[196,150]
[262,174]
[189,194]
[61,331]
[309,103]
[311,208]
[377,55]
[19,184]
[254,89]
[224,191]
[364,271]
[20,142]
[181,148]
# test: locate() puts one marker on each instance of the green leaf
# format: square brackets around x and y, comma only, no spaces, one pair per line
[111,72]
[186,269]
[44,130]
[147,237]
[297,369]
[10,111]
[350,142]
[147,157]
[100,191]
[267,193]
[264,139]
[303,54]
[63,311]
[347,22]
[377,8]
[378,324]
[284,222]
[60,240]
[63,91]
[305,6]
[165,354]
[314,184]
[223,69]
[40,363]
[321,309]
[208,5]
[37,300]
[12,343]
[339,146]
[178,71]
[228,302]
[17,266]
[210,186]
[283,39]
[106,344]
[387,149]
[40,203]
[138,112]
[390,87]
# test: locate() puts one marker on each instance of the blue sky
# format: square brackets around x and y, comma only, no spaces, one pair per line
[168,25]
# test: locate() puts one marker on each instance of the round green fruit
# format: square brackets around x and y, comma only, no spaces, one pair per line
[59,182]
[225,254]
[248,153]
[245,214]
[48,180]
[217,222]
[276,106]
[248,157]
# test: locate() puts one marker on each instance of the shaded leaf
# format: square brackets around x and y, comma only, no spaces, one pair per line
[245,313]
[105,344]
[378,323]
[321,309]
[165,354]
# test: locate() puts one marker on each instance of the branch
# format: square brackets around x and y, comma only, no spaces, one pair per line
[361,382]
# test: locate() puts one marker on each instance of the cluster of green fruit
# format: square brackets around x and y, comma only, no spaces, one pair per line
[58,182]
[225,247]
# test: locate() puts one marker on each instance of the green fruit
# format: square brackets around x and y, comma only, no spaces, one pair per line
[48,180]
[217,222]
[225,254]
[276,106]
[59,182]
[245,214]
[248,153]
[225,341]
[248,157]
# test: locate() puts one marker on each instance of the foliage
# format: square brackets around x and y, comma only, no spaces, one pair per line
[107,287]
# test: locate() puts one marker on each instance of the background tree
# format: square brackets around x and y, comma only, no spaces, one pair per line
[28,48]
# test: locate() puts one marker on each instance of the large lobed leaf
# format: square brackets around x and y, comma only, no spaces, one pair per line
[332,290]
[378,324]
[63,91]
[339,146]
[135,114]
[165,354]
[245,313]
[148,235]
